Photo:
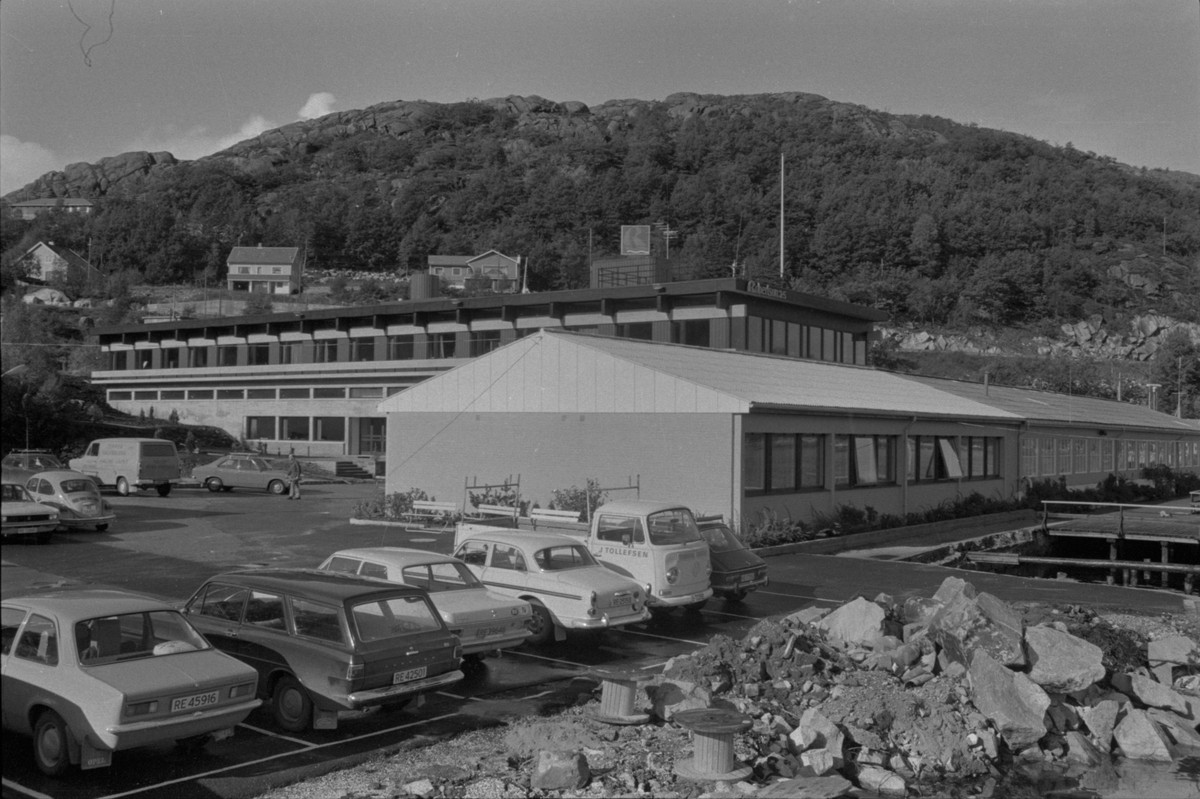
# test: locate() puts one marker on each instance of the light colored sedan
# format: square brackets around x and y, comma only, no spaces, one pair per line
[20,515]
[483,620]
[90,672]
[557,575]
[76,498]
[241,471]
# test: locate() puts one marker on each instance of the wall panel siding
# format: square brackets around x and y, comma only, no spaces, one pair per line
[437,451]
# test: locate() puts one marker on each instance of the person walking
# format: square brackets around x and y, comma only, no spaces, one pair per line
[293,477]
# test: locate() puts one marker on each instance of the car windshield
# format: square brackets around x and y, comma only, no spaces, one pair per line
[561,558]
[15,493]
[81,486]
[131,636]
[674,526]
[438,577]
[720,538]
[394,617]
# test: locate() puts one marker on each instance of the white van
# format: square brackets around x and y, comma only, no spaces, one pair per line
[129,463]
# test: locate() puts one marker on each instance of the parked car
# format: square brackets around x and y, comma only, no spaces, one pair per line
[76,498]
[20,515]
[736,571]
[130,463]
[21,464]
[324,642]
[564,584]
[87,673]
[483,620]
[241,471]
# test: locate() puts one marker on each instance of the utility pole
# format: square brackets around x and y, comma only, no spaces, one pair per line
[1179,389]
[781,215]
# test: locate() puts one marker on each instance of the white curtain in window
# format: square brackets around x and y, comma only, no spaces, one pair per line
[950,457]
[864,460]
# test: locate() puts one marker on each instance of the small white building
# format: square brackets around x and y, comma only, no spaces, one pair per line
[493,270]
[265,270]
[48,260]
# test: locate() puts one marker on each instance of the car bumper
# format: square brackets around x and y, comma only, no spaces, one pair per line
[738,587]
[381,696]
[604,622]
[29,529]
[77,522]
[682,599]
[142,733]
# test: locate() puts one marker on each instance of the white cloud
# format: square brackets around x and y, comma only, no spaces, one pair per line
[318,105]
[198,141]
[22,162]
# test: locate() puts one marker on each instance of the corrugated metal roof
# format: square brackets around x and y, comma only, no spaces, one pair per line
[262,255]
[561,372]
[1051,407]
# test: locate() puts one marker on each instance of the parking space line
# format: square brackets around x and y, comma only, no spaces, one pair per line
[261,731]
[456,696]
[799,596]
[732,615]
[551,660]
[269,758]
[665,637]
[21,789]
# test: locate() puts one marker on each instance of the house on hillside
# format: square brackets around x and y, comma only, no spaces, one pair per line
[265,270]
[31,208]
[48,260]
[491,271]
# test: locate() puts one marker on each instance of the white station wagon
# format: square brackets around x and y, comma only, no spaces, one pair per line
[483,620]
[557,575]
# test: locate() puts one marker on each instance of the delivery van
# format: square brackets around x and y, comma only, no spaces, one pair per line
[131,463]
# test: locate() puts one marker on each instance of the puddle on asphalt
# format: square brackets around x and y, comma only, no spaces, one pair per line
[1117,779]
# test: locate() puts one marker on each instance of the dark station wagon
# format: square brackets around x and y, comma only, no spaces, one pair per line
[325,642]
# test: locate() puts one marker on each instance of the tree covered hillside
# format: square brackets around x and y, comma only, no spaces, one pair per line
[934,221]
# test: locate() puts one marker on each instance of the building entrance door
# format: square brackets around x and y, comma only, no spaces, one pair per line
[372,436]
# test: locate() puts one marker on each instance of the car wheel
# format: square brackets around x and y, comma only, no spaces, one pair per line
[122,486]
[695,607]
[163,489]
[100,528]
[277,487]
[213,484]
[291,705]
[541,623]
[50,744]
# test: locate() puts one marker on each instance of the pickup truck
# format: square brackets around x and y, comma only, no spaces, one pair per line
[656,544]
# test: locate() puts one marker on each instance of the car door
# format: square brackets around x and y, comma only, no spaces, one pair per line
[216,611]
[263,635]
[15,695]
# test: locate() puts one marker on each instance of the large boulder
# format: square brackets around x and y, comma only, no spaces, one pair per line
[560,771]
[1100,721]
[828,787]
[815,732]
[1014,703]
[1167,653]
[672,696]
[1060,662]
[857,622]
[980,622]
[1152,693]
[1140,739]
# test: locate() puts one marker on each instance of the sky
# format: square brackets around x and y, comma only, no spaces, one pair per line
[84,79]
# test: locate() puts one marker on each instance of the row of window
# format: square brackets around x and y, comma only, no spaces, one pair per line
[296,428]
[1050,456]
[804,341]
[791,462]
[321,392]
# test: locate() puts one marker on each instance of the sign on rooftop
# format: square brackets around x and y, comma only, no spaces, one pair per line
[635,239]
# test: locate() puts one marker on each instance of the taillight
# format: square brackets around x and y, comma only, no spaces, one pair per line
[141,709]
[458,652]
[355,671]
[241,690]
[672,574]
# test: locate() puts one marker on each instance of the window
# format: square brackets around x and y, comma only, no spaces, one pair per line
[1093,446]
[374,570]
[289,353]
[317,621]
[340,563]
[230,394]
[1029,461]
[329,393]
[386,618]
[1107,460]
[170,358]
[473,553]
[39,641]
[362,349]
[506,557]
[172,394]
[1079,445]
[325,351]
[294,393]
[260,393]
[863,460]
[814,343]
[401,348]
[366,392]
[693,332]
[265,610]
[642,331]
[626,530]
[227,356]
[117,396]
[484,342]
[933,458]
[10,622]
[1064,455]
[978,456]
[117,360]
[783,462]
[145,395]
[258,354]
[197,357]
[293,428]
[442,345]
[329,428]
[200,393]
[260,427]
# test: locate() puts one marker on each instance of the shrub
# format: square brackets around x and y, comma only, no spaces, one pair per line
[388,506]
[578,499]
[505,495]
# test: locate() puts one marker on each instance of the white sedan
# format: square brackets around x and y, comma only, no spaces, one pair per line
[483,620]
[567,587]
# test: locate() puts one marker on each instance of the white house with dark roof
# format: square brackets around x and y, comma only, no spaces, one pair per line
[48,260]
[29,209]
[268,270]
[751,435]
[493,270]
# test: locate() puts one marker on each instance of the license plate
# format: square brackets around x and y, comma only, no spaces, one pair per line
[195,702]
[747,578]
[408,676]
[622,600]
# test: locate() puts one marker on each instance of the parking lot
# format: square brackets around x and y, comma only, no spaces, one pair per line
[168,546]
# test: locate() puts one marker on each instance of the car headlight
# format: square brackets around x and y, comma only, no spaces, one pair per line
[672,574]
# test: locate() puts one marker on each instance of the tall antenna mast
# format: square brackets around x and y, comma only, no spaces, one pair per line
[781,214]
